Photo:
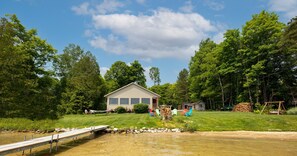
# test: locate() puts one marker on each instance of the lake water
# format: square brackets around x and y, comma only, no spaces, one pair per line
[173,144]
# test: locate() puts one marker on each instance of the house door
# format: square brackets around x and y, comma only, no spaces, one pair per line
[155,103]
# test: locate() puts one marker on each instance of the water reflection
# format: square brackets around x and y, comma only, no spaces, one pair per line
[179,144]
[170,144]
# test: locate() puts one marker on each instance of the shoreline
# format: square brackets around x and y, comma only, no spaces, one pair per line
[288,135]
[250,134]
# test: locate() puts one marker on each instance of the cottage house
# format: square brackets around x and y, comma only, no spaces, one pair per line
[200,106]
[131,94]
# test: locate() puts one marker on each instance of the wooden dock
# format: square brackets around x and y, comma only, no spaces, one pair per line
[29,144]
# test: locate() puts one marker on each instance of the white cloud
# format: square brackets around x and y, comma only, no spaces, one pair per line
[218,38]
[103,70]
[187,8]
[162,34]
[83,9]
[107,6]
[214,5]
[288,7]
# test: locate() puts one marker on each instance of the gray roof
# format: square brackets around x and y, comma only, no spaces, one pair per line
[130,84]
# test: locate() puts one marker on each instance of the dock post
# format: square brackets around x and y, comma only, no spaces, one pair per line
[31,146]
[57,143]
[51,146]
[23,149]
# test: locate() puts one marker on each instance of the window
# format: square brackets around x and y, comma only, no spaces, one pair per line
[113,101]
[124,101]
[135,101]
[145,100]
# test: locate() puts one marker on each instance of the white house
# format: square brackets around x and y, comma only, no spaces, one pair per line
[196,105]
[131,94]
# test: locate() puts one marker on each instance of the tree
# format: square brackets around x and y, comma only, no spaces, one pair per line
[64,62]
[260,37]
[288,55]
[136,73]
[118,74]
[204,73]
[167,92]
[26,84]
[84,87]
[182,86]
[230,67]
[155,75]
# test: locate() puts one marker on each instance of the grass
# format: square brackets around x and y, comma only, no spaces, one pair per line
[199,121]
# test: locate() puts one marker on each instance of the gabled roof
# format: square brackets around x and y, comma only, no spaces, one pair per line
[130,84]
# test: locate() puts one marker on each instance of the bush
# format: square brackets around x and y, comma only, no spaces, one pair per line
[141,108]
[120,110]
[292,111]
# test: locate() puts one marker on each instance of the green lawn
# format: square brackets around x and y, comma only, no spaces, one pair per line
[199,121]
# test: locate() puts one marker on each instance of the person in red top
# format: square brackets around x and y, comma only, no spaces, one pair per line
[185,110]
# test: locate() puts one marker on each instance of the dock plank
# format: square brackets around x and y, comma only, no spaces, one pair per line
[13,147]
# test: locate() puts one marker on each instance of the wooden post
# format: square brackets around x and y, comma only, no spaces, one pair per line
[31,146]
[263,108]
[57,143]
[23,149]
[51,146]
[279,107]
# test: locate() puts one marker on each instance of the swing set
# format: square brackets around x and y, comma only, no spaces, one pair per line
[281,108]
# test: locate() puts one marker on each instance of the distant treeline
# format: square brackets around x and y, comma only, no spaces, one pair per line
[256,64]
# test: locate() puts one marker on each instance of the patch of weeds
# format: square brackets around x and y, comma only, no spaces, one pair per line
[190,127]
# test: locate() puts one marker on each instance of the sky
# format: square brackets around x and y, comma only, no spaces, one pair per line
[157,33]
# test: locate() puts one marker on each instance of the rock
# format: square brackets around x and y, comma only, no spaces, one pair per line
[115,129]
[108,130]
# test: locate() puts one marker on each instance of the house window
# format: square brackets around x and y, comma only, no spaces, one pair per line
[145,100]
[113,101]
[135,101]
[124,101]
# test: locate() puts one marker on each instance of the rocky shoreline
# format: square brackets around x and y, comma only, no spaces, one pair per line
[135,130]
[142,130]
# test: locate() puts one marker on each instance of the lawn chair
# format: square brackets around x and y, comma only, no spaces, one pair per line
[189,113]
[158,112]
[174,112]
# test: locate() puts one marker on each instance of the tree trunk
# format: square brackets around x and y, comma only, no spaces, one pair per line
[222,91]
[265,90]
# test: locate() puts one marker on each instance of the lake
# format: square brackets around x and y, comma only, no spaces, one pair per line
[173,144]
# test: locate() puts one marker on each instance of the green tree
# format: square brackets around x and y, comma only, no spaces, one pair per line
[118,74]
[288,55]
[204,73]
[230,67]
[26,84]
[136,73]
[84,86]
[182,86]
[64,62]
[167,92]
[259,51]
[155,75]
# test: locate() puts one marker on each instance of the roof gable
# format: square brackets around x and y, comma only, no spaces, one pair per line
[131,84]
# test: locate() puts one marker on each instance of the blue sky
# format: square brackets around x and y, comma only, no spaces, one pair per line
[159,33]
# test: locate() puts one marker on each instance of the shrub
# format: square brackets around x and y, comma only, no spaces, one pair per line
[141,108]
[292,111]
[120,110]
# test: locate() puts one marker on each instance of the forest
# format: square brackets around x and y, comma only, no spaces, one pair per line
[256,64]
